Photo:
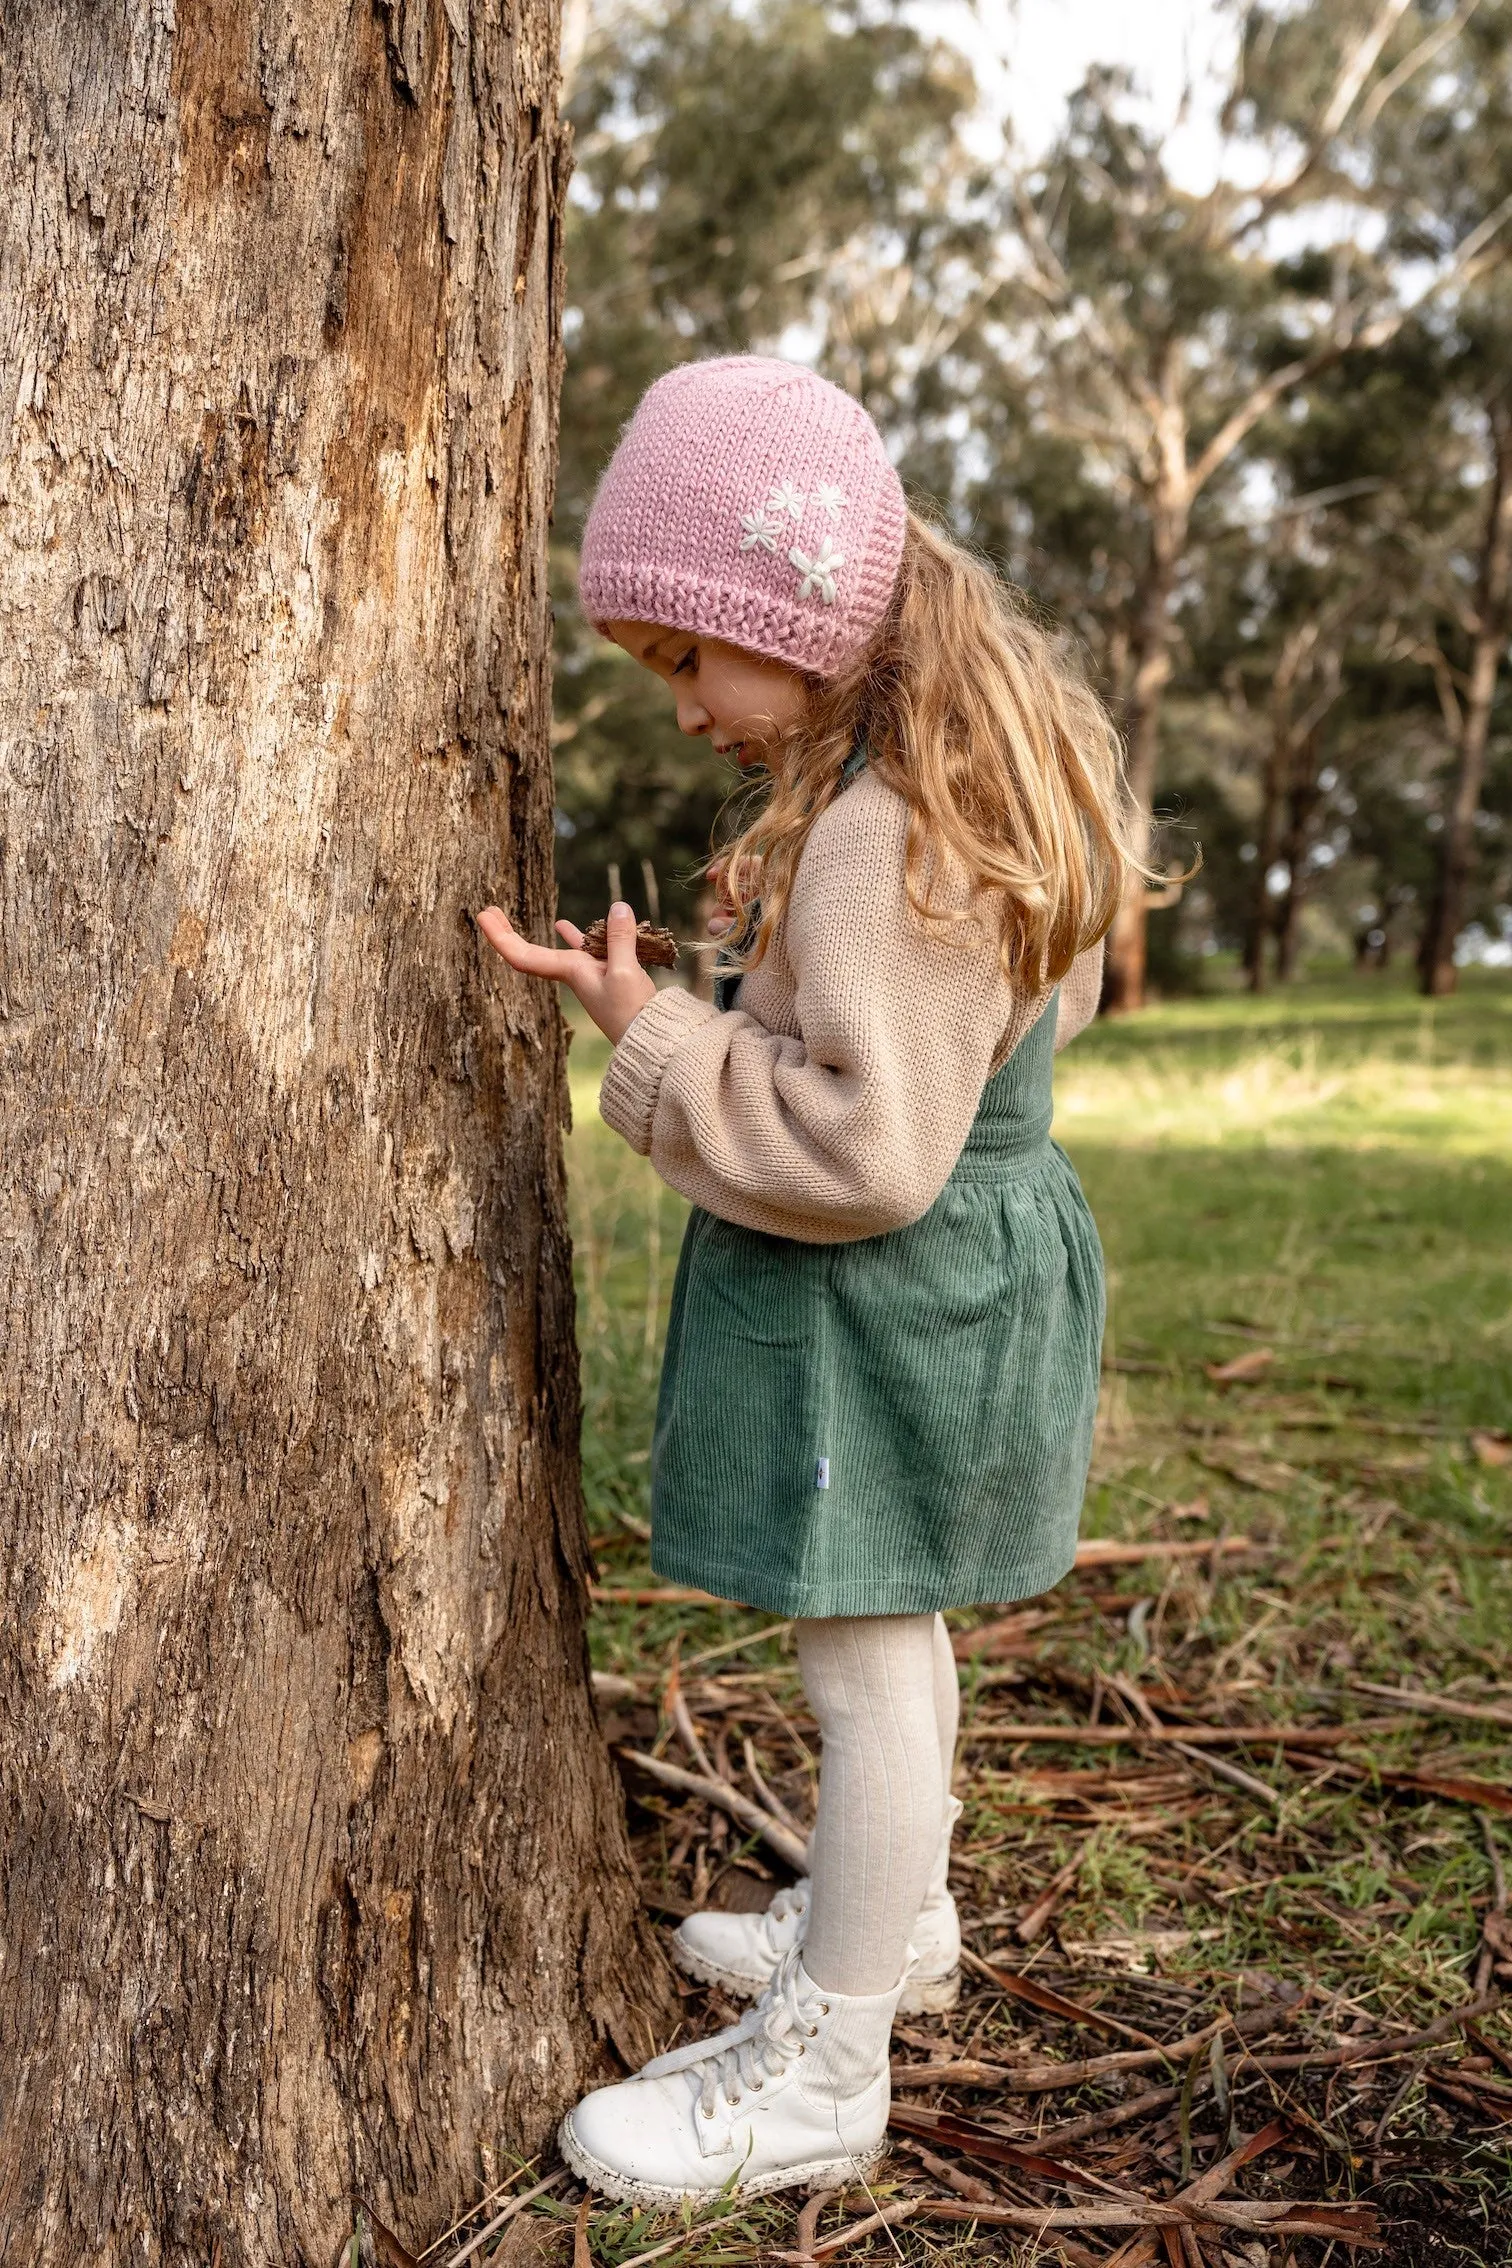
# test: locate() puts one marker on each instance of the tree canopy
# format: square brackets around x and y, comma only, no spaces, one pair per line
[1250,445]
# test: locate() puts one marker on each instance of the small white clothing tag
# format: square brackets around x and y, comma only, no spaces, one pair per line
[821,1473]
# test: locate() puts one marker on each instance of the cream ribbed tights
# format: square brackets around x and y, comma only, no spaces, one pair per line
[884,1690]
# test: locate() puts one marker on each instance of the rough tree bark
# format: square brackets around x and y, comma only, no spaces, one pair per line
[313,1874]
[1492,622]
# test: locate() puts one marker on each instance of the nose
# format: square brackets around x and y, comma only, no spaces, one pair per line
[692,717]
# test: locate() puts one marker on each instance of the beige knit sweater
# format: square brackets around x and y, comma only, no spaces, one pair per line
[835,1100]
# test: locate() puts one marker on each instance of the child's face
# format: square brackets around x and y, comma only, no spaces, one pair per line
[742,703]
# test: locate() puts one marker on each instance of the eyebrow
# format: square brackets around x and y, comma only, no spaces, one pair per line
[657,643]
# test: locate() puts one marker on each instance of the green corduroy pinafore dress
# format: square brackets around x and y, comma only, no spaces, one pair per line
[897,1424]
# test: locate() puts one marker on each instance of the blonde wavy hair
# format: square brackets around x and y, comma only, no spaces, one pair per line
[1009,764]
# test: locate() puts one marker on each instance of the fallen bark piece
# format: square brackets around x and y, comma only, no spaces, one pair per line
[962,2071]
[1243,1366]
[1489,1793]
[1102,1551]
[655,947]
[788,1846]
[989,1638]
[663,1594]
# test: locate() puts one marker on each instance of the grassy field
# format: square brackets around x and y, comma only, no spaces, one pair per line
[1314,1194]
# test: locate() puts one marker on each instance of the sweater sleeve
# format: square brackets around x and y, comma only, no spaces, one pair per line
[1080,995]
[853,1128]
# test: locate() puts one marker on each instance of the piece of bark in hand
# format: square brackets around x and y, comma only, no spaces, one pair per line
[654,948]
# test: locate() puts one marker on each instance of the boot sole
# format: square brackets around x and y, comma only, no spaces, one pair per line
[921,1996]
[814,2174]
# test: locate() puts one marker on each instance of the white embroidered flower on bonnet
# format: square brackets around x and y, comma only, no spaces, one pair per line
[829,499]
[817,571]
[787,497]
[761,530]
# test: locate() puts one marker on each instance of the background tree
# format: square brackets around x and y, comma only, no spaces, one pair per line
[315,1875]
[1446,159]
[1155,328]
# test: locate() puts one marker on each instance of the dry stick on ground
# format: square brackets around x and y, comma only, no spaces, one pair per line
[1379,2048]
[1034,1920]
[964,2184]
[1036,1995]
[515,2205]
[843,2237]
[675,1707]
[769,1796]
[808,2223]
[1193,1736]
[1128,1691]
[788,1846]
[581,2256]
[668,2244]
[1346,2224]
[1489,1933]
[1410,2077]
[1038,2078]
[1429,1704]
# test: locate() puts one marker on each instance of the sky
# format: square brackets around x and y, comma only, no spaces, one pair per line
[1030,54]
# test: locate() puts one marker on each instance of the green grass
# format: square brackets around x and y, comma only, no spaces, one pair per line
[1326,1175]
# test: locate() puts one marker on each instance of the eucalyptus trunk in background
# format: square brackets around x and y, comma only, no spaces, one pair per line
[1489,622]
[314,1874]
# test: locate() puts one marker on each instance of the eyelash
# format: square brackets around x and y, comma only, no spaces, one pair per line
[689,661]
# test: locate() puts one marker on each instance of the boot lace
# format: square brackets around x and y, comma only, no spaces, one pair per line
[788,1905]
[781,2025]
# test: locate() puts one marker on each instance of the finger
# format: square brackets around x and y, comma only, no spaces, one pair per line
[496,925]
[570,932]
[530,960]
[620,957]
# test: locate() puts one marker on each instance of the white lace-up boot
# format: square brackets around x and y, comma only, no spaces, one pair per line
[796,2093]
[740,1952]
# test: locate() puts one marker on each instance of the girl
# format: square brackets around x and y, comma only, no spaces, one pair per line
[882,1356]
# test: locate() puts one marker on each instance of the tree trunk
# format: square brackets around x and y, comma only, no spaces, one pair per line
[1446,913]
[1124,981]
[315,1878]
[1261,924]
[1302,805]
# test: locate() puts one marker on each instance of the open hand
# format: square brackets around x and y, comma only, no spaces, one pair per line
[613,991]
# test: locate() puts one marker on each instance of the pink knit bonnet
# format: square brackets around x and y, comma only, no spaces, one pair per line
[749,500]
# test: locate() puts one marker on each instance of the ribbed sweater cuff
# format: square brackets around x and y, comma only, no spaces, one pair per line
[627,1098]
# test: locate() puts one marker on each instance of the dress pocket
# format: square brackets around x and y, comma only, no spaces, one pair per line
[757,1290]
